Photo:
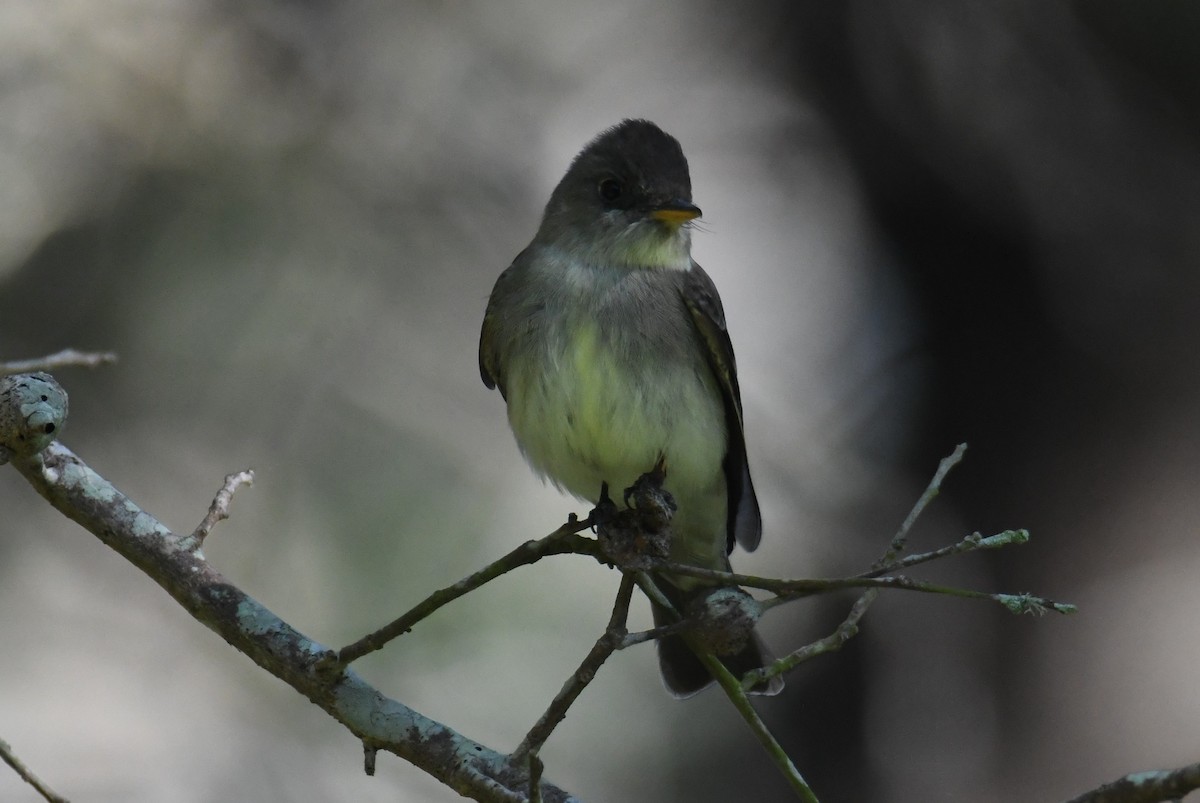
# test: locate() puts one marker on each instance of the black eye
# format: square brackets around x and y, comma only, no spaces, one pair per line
[610,189]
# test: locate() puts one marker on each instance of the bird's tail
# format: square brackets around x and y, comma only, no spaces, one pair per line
[685,675]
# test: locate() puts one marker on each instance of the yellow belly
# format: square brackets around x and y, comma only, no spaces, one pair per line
[591,416]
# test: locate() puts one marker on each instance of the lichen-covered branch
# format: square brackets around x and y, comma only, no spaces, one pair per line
[1154,786]
[177,564]
[33,410]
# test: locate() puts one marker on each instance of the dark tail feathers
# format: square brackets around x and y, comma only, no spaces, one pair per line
[684,675]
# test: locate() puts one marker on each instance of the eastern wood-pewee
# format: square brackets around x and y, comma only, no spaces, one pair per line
[609,344]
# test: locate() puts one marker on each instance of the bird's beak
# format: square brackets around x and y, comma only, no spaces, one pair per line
[675,212]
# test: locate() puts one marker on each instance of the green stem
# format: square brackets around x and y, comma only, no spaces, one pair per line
[737,695]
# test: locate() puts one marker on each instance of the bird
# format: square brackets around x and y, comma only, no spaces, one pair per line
[608,343]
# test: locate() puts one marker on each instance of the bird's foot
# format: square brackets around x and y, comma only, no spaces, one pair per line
[604,511]
[639,536]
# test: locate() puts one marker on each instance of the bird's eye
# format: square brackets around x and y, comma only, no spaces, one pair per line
[610,189]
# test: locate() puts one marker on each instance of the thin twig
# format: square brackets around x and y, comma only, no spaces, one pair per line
[971,543]
[27,775]
[847,630]
[900,539]
[789,590]
[1014,603]
[646,583]
[564,540]
[605,646]
[62,359]
[737,695]
[882,565]
[655,633]
[219,509]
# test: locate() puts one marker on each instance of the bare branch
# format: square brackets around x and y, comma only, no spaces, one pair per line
[219,509]
[606,645]
[900,539]
[67,358]
[847,630]
[655,633]
[1013,603]
[883,565]
[564,540]
[1155,786]
[736,692]
[171,560]
[971,543]
[176,563]
[27,775]
[790,590]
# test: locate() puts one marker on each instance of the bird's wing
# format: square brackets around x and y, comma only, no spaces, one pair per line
[704,303]
[489,364]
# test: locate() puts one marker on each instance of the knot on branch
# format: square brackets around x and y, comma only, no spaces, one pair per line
[33,409]
[638,537]
[725,620]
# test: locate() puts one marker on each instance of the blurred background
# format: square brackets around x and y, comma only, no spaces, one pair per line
[931,221]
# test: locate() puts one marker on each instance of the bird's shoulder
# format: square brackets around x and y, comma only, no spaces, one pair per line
[700,290]
[708,316]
